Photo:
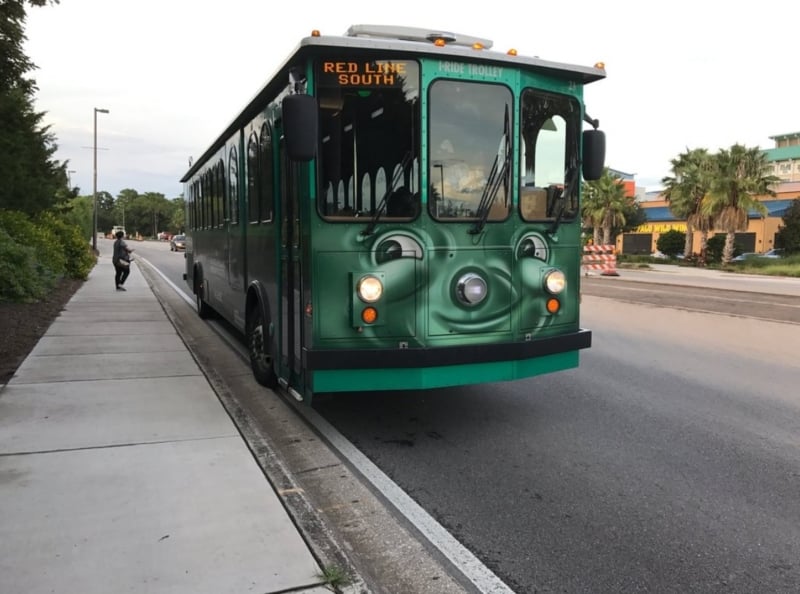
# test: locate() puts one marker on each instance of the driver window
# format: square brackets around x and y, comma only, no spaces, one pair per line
[547,159]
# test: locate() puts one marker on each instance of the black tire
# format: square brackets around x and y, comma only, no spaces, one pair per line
[259,346]
[203,309]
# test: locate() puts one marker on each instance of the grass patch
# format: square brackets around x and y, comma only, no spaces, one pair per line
[334,577]
[768,267]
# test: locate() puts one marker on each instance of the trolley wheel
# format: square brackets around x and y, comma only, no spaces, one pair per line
[203,309]
[259,347]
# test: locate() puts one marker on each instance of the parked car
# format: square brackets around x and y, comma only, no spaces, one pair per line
[662,256]
[744,256]
[177,243]
[773,253]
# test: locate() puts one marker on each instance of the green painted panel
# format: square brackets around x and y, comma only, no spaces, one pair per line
[337,307]
[447,316]
[360,380]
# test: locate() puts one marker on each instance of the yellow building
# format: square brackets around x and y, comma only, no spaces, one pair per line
[761,231]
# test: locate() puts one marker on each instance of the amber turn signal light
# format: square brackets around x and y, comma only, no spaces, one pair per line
[369,315]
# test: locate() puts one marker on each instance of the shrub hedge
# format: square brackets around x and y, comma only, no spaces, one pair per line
[36,253]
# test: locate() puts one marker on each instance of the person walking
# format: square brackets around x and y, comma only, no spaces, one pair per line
[121,258]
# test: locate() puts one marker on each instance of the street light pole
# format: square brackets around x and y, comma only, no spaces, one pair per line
[94,183]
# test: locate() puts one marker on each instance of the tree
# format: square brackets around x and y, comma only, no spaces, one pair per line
[789,233]
[32,180]
[634,216]
[685,190]
[604,205]
[78,212]
[739,177]
[123,203]
[148,213]
[177,220]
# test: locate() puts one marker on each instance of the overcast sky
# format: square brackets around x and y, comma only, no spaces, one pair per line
[680,74]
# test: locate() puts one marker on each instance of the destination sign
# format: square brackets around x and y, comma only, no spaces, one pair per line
[353,73]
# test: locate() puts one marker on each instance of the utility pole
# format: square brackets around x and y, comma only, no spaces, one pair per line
[94,183]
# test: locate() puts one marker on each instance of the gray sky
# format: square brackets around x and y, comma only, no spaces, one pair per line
[680,74]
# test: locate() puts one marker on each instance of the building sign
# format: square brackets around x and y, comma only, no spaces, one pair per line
[661,227]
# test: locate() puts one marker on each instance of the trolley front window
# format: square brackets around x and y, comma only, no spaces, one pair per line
[470,151]
[369,129]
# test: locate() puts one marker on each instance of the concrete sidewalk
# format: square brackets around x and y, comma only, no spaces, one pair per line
[120,471]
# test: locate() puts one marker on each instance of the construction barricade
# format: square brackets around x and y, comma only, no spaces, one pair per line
[600,258]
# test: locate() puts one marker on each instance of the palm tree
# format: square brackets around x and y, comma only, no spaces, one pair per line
[604,204]
[739,178]
[685,190]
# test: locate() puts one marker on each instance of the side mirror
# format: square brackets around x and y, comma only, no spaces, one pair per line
[594,154]
[300,126]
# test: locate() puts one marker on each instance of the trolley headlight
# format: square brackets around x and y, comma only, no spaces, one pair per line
[369,289]
[471,289]
[555,282]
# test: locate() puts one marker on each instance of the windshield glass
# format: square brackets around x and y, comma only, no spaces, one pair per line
[550,127]
[369,128]
[468,121]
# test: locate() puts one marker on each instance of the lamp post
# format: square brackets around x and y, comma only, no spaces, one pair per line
[94,183]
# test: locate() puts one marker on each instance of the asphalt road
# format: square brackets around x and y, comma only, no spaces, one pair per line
[668,462]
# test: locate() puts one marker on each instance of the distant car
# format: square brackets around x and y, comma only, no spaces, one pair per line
[662,256]
[770,254]
[177,243]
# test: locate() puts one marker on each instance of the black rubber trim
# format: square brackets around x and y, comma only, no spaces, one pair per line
[323,359]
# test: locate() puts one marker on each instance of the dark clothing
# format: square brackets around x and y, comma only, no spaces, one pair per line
[121,253]
[121,275]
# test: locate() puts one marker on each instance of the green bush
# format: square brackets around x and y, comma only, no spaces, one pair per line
[671,243]
[79,258]
[49,252]
[714,247]
[36,254]
[22,277]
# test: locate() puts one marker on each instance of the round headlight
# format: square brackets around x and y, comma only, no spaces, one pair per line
[369,289]
[555,282]
[471,289]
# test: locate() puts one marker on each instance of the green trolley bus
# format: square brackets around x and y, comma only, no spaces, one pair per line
[398,208]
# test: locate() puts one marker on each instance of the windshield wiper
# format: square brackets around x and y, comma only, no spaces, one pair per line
[562,203]
[497,176]
[398,177]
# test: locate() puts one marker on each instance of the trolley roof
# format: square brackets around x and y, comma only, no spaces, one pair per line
[409,41]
